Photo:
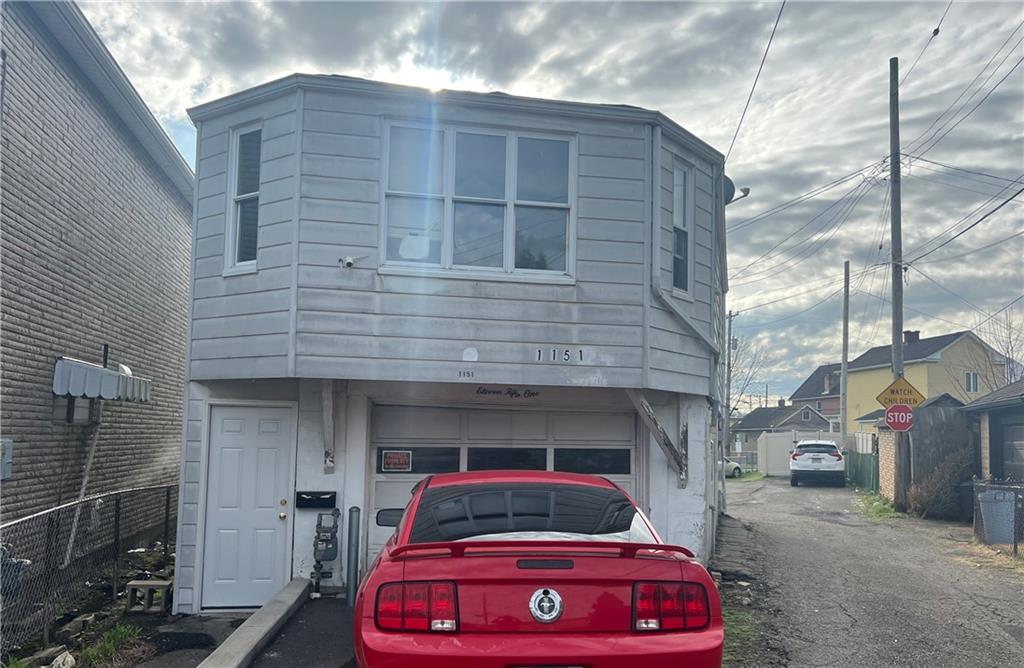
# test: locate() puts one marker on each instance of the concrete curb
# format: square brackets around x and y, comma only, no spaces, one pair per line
[242,647]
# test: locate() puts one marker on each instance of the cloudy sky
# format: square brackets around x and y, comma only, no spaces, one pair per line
[819,113]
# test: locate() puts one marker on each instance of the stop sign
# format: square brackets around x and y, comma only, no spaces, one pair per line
[899,417]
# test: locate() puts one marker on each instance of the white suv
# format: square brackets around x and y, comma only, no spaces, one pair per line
[816,460]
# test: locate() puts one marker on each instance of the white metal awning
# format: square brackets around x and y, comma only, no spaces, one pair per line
[76,378]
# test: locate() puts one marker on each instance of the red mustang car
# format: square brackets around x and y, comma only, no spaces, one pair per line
[532,569]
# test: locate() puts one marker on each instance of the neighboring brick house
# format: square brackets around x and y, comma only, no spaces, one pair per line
[820,391]
[773,419]
[96,239]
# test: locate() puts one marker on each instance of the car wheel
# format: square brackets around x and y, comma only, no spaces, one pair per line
[793,482]
[736,472]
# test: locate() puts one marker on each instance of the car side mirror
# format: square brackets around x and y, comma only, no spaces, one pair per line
[389,517]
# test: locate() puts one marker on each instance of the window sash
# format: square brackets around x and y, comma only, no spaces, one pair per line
[238,200]
[682,228]
[510,202]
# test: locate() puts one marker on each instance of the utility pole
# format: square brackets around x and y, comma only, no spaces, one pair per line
[846,353]
[896,244]
[728,382]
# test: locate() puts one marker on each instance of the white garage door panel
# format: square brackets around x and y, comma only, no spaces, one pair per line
[398,427]
[593,427]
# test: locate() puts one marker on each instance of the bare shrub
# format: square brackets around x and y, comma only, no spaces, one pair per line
[937,496]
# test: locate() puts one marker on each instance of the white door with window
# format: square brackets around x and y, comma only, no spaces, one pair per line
[248,505]
[411,442]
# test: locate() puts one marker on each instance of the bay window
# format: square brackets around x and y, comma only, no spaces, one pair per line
[478,200]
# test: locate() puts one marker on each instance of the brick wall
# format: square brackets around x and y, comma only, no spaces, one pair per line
[95,249]
[887,463]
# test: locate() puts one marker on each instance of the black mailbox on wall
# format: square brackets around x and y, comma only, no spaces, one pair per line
[316,499]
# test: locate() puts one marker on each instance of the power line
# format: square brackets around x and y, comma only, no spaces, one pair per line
[802,198]
[935,33]
[958,296]
[976,250]
[959,169]
[969,227]
[768,253]
[978,326]
[805,292]
[973,109]
[947,184]
[930,315]
[969,85]
[756,77]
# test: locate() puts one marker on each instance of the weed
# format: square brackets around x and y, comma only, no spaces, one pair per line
[740,636]
[117,639]
[877,507]
[17,663]
[749,476]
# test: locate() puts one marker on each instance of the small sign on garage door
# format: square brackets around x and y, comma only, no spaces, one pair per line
[396,461]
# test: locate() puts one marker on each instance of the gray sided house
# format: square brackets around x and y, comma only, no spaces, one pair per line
[820,391]
[774,419]
[390,283]
[96,244]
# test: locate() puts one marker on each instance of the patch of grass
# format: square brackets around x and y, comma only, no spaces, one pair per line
[748,476]
[115,641]
[877,507]
[17,663]
[740,636]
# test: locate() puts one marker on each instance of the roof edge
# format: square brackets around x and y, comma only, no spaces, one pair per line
[72,30]
[340,83]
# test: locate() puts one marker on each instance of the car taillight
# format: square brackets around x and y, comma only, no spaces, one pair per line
[794,455]
[670,606]
[838,455]
[417,606]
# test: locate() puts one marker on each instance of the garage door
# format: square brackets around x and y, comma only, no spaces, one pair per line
[410,442]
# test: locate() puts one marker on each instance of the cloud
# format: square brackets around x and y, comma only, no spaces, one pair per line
[820,111]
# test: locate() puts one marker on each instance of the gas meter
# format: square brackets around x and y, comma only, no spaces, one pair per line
[325,546]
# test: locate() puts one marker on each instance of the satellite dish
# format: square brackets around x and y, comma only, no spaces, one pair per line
[730,189]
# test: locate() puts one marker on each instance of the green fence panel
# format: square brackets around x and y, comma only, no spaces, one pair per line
[862,470]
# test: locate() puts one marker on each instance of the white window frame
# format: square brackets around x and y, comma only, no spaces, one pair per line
[447,268]
[231,264]
[805,416]
[971,382]
[682,218]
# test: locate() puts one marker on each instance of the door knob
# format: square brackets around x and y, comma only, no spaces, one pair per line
[282,515]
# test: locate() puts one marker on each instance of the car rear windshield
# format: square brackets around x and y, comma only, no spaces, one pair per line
[518,511]
[822,448]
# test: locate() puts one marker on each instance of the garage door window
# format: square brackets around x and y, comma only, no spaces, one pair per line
[489,459]
[423,460]
[601,461]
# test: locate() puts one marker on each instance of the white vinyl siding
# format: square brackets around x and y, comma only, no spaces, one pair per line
[478,200]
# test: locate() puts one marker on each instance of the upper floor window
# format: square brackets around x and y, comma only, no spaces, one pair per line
[817,404]
[682,223]
[971,382]
[806,415]
[243,218]
[482,200]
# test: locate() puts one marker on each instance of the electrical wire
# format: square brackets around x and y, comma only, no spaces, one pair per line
[804,197]
[969,85]
[754,85]
[976,250]
[912,158]
[799,294]
[946,289]
[969,227]
[930,146]
[935,33]
[947,184]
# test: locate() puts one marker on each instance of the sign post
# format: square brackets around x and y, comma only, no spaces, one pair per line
[899,417]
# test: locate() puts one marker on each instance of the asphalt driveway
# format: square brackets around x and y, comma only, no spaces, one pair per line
[851,591]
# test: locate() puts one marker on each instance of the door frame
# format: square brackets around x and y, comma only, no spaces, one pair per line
[204,470]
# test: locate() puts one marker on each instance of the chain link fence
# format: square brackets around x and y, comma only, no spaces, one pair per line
[78,556]
[999,513]
[746,460]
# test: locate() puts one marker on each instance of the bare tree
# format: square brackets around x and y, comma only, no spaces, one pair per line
[1005,333]
[749,361]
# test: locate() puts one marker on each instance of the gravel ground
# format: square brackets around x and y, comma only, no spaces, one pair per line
[850,591]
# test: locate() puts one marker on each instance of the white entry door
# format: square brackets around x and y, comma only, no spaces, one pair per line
[248,505]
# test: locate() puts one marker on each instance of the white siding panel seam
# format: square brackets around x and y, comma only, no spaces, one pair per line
[293,299]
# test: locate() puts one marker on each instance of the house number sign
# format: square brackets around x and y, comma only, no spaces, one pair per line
[560,355]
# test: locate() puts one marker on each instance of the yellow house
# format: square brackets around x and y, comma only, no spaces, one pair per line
[960,364]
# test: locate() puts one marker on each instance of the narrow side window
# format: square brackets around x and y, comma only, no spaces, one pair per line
[681,230]
[246,196]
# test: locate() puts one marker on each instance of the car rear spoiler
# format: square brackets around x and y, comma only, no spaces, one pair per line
[458,549]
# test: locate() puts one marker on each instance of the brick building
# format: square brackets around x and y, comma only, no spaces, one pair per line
[95,241]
